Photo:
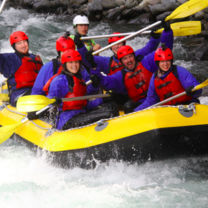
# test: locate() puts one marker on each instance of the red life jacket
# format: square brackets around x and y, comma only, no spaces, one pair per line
[79,89]
[47,85]
[169,87]
[26,74]
[114,66]
[137,82]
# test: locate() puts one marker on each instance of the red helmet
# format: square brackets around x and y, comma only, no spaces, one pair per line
[63,44]
[70,55]
[123,51]
[163,54]
[17,36]
[114,39]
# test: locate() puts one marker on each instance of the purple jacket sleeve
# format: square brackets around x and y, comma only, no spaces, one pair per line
[101,61]
[187,79]
[90,89]
[113,82]
[45,73]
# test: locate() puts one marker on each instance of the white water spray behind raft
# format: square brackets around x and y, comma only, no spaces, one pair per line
[29,180]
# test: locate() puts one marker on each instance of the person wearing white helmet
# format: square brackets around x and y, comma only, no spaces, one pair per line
[81,26]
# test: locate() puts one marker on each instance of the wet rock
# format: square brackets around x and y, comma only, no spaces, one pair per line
[206,26]
[114,13]
[60,10]
[27,3]
[182,1]
[131,3]
[126,14]
[149,2]
[205,10]
[199,15]
[164,6]
[204,33]
[163,16]
[77,1]
[65,2]
[198,52]
[145,18]
[120,2]
[70,10]
[108,4]
[206,16]
[95,6]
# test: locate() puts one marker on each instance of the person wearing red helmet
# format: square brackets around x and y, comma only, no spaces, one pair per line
[53,68]
[170,80]
[70,83]
[20,68]
[133,80]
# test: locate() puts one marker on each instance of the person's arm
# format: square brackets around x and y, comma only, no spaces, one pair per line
[149,47]
[167,38]
[187,80]
[9,63]
[45,73]
[58,87]
[148,61]
[151,98]
[90,88]
[113,82]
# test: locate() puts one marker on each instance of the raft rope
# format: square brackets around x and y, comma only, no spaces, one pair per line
[23,114]
[103,120]
[108,119]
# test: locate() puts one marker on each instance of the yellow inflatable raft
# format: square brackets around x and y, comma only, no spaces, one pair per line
[157,133]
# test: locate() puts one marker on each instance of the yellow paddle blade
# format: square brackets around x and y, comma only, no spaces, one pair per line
[7,131]
[187,9]
[4,97]
[184,28]
[203,84]
[32,103]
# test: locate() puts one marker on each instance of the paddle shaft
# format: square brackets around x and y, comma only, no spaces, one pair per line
[87,97]
[169,99]
[2,5]
[37,113]
[126,38]
[112,35]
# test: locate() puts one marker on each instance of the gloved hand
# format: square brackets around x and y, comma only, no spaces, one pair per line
[77,41]
[32,115]
[90,58]
[154,35]
[188,91]
[166,25]
[57,103]
[95,80]
[66,34]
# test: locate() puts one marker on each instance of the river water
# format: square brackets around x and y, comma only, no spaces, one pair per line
[29,180]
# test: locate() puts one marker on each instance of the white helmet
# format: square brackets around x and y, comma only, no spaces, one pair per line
[79,19]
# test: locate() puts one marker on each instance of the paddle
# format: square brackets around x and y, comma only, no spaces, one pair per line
[184,10]
[198,87]
[2,5]
[4,97]
[179,29]
[7,131]
[32,103]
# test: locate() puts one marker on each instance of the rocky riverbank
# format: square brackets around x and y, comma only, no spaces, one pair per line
[119,12]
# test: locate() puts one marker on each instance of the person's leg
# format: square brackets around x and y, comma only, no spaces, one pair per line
[106,110]
[130,106]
